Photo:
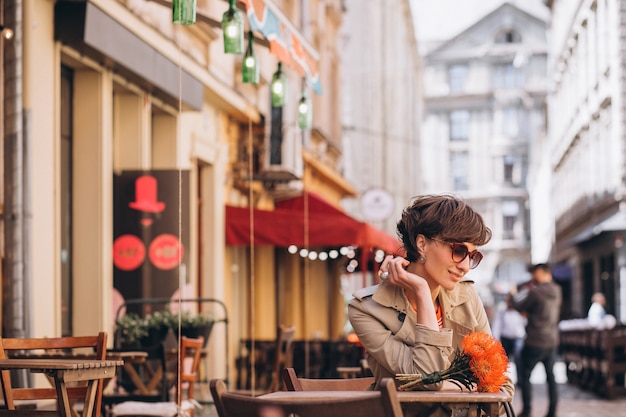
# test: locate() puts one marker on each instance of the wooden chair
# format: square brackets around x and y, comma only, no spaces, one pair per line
[293,383]
[190,354]
[381,403]
[61,346]
[283,358]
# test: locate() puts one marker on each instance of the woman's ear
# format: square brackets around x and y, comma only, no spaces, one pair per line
[420,243]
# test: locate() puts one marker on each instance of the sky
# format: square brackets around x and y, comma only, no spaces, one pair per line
[438,20]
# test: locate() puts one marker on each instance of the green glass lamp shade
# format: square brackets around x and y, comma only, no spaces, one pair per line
[305,113]
[279,87]
[232,26]
[250,63]
[184,12]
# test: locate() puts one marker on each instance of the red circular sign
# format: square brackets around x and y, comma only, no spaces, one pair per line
[166,251]
[129,252]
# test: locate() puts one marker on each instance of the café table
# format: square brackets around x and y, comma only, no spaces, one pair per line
[467,404]
[63,371]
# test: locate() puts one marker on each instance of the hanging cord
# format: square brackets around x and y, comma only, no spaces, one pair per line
[252,266]
[307,267]
[181,275]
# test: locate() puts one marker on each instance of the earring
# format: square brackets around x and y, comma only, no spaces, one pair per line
[421,259]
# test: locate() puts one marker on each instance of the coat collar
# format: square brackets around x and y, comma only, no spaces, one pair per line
[392,296]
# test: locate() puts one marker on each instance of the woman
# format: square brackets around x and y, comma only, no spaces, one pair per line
[415,319]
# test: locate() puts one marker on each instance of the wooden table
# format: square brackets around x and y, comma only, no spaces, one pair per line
[63,371]
[461,403]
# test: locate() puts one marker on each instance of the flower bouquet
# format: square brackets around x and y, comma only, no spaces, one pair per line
[481,362]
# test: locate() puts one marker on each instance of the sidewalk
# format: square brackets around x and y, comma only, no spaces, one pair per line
[573,402]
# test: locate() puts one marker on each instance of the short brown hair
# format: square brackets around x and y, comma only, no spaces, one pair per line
[445,217]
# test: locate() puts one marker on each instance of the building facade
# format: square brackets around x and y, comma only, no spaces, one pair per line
[586,145]
[381,123]
[484,97]
[127,138]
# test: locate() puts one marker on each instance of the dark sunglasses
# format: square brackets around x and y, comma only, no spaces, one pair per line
[460,252]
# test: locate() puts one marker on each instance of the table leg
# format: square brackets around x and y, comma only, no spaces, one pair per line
[90,398]
[62,398]
[134,377]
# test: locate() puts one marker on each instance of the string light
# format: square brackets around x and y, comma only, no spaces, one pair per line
[232,26]
[6,33]
[184,12]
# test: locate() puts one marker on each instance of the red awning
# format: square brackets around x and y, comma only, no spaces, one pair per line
[285,226]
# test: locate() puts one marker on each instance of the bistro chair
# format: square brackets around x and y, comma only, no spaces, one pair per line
[380,403]
[190,354]
[51,347]
[293,383]
[145,381]
[283,358]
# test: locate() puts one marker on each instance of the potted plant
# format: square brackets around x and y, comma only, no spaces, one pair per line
[130,329]
[157,324]
[194,325]
[135,331]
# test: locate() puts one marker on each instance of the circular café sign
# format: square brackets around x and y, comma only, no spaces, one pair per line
[376,204]
[129,252]
[166,252]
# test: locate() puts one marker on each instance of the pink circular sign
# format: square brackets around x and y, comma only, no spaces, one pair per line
[166,251]
[129,252]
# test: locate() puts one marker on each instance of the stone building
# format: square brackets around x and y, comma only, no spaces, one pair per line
[586,151]
[484,98]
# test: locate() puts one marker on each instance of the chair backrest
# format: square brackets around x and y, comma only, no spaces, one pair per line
[381,403]
[190,353]
[63,346]
[284,354]
[293,383]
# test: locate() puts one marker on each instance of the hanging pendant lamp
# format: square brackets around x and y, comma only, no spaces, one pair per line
[232,26]
[305,112]
[250,69]
[279,87]
[184,12]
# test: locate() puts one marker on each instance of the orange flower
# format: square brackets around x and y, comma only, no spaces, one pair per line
[481,363]
[479,344]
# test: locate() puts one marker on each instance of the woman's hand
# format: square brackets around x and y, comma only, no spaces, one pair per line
[397,274]
[415,288]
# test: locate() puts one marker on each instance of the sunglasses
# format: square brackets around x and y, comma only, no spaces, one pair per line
[460,252]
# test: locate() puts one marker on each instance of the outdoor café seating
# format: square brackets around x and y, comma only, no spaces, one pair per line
[270,366]
[295,383]
[63,359]
[187,371]
[382,402]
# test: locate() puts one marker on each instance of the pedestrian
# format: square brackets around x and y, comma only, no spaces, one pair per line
[596,312]
[542,305]
[510,328]
[413,321]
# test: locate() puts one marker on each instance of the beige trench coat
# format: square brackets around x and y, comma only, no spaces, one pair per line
[386,326]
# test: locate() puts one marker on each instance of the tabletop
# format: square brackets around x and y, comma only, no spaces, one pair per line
[466,403]
[53,364]
[64,371]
